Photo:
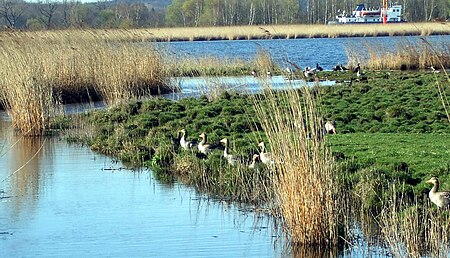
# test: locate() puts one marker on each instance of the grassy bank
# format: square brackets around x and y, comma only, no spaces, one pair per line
[392,128]
[403,105]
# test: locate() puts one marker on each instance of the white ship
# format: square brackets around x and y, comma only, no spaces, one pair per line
[361,14]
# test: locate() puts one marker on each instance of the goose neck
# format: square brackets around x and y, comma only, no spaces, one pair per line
[435,187]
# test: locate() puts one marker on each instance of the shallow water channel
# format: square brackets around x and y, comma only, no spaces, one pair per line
[65,200]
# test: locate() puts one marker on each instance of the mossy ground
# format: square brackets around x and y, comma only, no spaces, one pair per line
[392,127]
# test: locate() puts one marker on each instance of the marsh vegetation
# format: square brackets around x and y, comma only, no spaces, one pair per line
[391,129]
[39,71]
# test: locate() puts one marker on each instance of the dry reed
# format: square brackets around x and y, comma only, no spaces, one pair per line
[404,56]
[40,70]
[292,31]
[414,230]
[307,190]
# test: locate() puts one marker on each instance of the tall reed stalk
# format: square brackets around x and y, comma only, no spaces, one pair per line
[411,229]
[26,91]
[307,190]
[39,70]
[404,56]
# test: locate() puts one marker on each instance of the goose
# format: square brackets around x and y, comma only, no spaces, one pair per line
[185,144]
[357,70]
[359,74]
[441,199]
[265,157]
[254,73]
[434,70]
[205,147]
[232,159]
[340,68]
[310,71]
[253,163]
[330,127]
[318,68]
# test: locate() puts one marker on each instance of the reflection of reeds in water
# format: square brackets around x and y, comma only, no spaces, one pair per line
[411,229]
[24,172]
[307,191]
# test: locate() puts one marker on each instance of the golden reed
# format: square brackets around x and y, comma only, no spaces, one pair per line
[42,69]
[308,194]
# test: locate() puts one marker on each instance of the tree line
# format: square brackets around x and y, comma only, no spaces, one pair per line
[51,14]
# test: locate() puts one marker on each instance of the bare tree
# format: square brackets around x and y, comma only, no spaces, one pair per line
[11,11]
[47,9]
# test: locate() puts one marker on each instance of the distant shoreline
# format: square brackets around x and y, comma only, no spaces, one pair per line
[255,32]
[296,31]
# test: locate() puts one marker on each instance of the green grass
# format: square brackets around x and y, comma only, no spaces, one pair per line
[390,102]
[413,158]
[424,153]
[391,128]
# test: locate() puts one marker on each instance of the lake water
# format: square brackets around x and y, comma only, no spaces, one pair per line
[304,52]
[64,200]
[59,200]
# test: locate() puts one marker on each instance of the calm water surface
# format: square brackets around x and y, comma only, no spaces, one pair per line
[65,202]
[304,52]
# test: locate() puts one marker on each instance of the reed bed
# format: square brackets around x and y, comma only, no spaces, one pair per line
[307,188]
[41,70]
[411,229]
[404,56]
[260,32]
[248,32]
[214,66]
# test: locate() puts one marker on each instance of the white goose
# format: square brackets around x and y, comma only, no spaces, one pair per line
[185,144]
[232,159]
[309,71]
[265,157]
[254,159]
[441,199]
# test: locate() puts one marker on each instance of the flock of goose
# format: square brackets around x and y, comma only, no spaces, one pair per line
[441,199]
[205,148]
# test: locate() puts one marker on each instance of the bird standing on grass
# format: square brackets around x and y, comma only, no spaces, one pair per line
[309,71]
[231,159]
[254,159]
[205,147]
[265,157]
[318,67]
[185,144]
[441,199]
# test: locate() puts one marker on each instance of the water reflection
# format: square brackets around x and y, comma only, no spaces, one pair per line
[63,202]
[24,172]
